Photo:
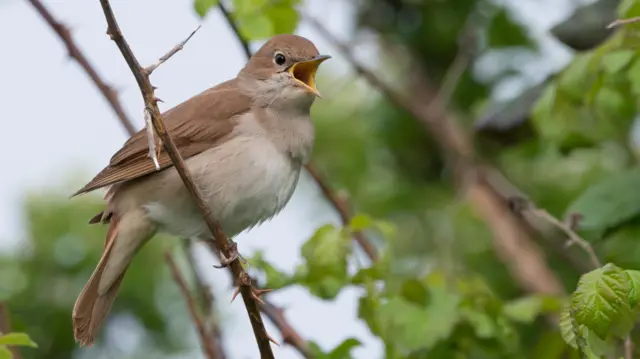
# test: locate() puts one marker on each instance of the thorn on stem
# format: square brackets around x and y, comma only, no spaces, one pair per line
[271,339]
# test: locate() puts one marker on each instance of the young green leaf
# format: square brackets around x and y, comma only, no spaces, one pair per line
[601,302]
[524,309]
[615,61]
[203,6]
[566,327]
[413,327]
[343,351]
[275,278]
[283,17]
[19,339]
[5,353]
[634,287]
[610,202]
[504,32]
[326,255]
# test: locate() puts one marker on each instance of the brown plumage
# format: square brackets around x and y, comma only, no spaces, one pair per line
[243,140]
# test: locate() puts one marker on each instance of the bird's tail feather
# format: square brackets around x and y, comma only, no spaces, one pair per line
[124,238]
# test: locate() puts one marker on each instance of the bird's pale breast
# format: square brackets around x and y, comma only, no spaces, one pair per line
[245,181]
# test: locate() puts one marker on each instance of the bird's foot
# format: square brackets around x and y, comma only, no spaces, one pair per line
[233,255]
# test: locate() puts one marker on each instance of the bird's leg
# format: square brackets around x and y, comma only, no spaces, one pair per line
[233,255]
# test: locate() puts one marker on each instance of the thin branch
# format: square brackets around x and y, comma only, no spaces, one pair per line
[74,52]
[222,243]
[289,334]
[622,22]
[456,70]
[342,207]
[234,27]
[525,261]
[208,345]
[207,300]
[522,205]
[149,69]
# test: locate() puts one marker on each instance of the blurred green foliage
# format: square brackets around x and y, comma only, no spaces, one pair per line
[41,282]
[439,290]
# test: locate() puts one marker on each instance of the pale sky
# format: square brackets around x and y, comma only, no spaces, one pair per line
[72,129]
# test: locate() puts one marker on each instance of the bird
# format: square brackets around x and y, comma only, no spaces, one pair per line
[244,142]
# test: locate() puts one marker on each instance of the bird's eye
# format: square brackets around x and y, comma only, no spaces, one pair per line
[279,58]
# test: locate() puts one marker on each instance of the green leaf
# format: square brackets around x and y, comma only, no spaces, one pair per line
[20,339]
[360,222]
[566,327]
[526,309]
[202,6]
[577,76]
[628,9]
[414,291]
[610,202]
[255,27]
[275,278]
[633,75]
[504,32]
[284,18]
[601,302]
[326,255]
[634,287]
[365,275]
[413,327]
[481,322]
[249,7]
[5,353]
[615,61]
[343,351]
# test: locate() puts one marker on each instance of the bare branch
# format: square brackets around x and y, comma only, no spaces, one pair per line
[622,22]
[234,27]
[206,299]
[149,69]
[342,207]
[289,334]
[222,243]
[74,52]
[205,339]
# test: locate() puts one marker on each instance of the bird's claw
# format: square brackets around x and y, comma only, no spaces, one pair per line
[233,255]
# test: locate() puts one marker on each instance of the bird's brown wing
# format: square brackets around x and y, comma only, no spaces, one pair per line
[200,123]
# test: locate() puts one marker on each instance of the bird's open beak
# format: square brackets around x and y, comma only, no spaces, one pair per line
[305,72]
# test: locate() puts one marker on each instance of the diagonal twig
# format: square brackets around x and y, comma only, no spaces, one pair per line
[151,68]
[222,243]
[208,346]
[234,27]
[74,52]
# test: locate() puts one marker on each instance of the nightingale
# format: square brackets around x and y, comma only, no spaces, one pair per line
[244,142]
